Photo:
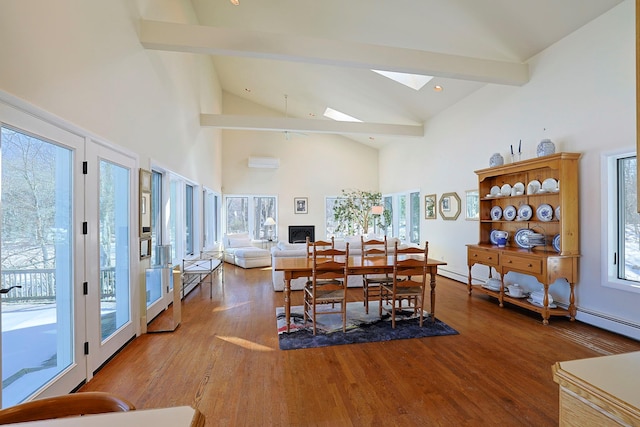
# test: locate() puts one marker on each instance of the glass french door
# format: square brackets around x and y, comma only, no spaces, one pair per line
[158,281]
[110,278]
[67,255]
[41,312]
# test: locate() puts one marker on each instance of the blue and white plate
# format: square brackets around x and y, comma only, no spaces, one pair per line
[522,238]
[557,212]
[509,213]
[556,243]
[496,213]
[544,212]
[525,212]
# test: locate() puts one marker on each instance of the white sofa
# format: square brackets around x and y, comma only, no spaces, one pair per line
[240,250]
[283,249]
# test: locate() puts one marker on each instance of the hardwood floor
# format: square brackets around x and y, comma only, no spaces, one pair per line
[224,359]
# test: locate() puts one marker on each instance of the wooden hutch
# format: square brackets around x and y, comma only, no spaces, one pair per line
[544,262]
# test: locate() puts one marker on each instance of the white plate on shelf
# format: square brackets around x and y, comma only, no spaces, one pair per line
[527,238]
[550,185]
[525,212]
[533,187]
[495,191]
[557,212]
[544,212]
[505,190]
[556,243]
[509,213]
[496,213]
[519,188]
[537,304]
[493,238]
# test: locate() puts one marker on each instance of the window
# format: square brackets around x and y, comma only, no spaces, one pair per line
[247,214]
[623,222]
[173,213]
[188,217]
[211,213]
[402,217]
[387,229]
[403,211]
[414,217]
[156,216]
[37,255]
[405,218]
[330,222]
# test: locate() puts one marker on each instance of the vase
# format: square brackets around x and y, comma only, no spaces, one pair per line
[545,147]
[496,160]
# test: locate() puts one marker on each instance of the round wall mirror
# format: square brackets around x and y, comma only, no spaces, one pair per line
[449,206]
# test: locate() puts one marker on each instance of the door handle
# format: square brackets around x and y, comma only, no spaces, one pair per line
[6,290]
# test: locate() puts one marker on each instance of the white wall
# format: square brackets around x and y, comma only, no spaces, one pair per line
[582,91]
[82,61]
[313,166]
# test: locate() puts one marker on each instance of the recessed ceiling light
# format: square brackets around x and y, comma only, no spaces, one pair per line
[312,114]
[246,89]
[437,88]
[235,2]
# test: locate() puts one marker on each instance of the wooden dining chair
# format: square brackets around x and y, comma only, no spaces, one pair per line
[373,249]
[318,244]
[408,283]
[68,405]
[328,285]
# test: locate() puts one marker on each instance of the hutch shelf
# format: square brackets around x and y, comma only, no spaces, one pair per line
[549,213]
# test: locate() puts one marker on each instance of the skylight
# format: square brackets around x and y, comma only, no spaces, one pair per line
[339,116]
[414,81]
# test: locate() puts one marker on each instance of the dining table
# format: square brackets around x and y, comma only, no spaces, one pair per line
[295,267]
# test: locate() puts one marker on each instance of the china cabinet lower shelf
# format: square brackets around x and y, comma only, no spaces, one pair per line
[545,266]
[502,298]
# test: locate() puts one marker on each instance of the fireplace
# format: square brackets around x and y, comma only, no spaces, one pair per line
[299,233]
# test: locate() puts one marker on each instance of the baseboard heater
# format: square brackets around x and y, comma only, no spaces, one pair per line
[608,322]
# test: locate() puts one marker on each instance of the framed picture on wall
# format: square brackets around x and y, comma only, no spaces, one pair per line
[473,205]
[430,206]
[300,205]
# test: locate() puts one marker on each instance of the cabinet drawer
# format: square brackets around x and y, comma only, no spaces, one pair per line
[483,257]
[526,264]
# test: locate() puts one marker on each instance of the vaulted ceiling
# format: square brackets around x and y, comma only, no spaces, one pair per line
[320,54]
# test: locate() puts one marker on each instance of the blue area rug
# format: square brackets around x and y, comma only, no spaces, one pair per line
[361,328]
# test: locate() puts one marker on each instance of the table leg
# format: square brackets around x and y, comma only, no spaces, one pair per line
[434,273]
[287,300]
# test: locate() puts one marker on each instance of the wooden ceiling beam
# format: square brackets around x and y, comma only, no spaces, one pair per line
[177,37]
[230,121]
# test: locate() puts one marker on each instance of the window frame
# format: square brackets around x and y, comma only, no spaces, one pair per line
[390,201]
[254,225]
[408,222]
[211,214]
[610,233]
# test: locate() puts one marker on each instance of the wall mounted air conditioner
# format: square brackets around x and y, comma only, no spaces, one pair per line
[264,162]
